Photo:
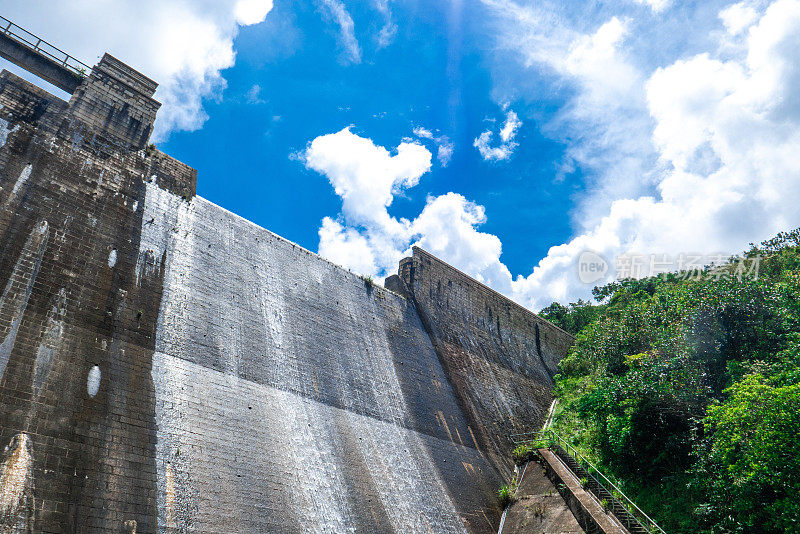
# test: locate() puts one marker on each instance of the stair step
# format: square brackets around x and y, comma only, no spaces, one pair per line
[596,488]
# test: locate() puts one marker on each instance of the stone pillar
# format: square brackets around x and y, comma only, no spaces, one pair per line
[116,102]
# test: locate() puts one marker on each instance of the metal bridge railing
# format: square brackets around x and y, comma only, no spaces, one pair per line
[606,487]
[37,44]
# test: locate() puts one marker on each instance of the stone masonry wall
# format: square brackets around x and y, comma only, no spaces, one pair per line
[77,327]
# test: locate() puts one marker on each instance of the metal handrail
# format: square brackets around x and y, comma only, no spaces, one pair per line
[628,503]
[65,60]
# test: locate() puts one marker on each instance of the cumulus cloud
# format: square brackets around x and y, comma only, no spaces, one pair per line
[337,12]
[738,17]
[448,228]
[346,246]
[507,144]
[366,238]
[727,133]
[182,44]
[366,177]
[249,12]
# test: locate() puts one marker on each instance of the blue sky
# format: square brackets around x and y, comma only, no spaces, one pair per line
[510,138]
[294,80]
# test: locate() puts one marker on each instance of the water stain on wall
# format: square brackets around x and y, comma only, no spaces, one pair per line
[93,381]
[169,492]
[53,332]
[19,184]
[18,289]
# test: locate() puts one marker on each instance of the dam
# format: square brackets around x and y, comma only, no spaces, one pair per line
[167,366]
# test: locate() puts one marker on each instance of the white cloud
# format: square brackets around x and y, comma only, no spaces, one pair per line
[183,45]
[423,133]
[369,240]
[447,228]
[606,123]
[444,147]
[738,17]
[345,246]
[364,175]
[389,29]
[336,11]
[510,127]
[507,144]
[594,60]
[249,12]
[445,151]
[728,132]
[254,95]
[656,5]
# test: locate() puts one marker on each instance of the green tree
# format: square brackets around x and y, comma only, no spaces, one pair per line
[750,461]
[685,390]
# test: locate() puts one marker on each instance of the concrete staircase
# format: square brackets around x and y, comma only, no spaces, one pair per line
[615,507]
[598,505]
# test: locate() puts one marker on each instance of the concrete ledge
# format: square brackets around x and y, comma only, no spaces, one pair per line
[585,508]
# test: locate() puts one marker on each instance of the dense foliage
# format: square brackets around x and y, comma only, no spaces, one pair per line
[687,390]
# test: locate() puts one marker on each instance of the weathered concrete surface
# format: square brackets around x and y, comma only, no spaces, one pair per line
[500,357]
[539,509]
[325,382]
[116,102]
[166,366]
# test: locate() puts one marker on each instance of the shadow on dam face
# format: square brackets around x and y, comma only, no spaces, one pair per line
[167,366]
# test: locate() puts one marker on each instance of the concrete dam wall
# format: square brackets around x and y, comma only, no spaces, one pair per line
[167,366]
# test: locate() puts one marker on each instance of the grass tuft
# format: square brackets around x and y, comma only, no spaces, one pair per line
[505,496]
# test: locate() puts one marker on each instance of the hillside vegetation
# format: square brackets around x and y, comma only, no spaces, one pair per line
[687,391]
